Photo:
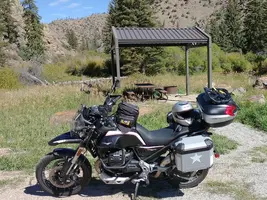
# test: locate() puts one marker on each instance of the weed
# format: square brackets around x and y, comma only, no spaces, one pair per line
[259,154]
[223,144]
[237,190]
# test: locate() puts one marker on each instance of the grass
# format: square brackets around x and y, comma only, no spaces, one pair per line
[254,115]
[223,145]
[238,190]
[67,69]
[25,126]
[259,154]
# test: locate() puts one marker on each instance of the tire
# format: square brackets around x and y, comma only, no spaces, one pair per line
[180,183]
[50,188]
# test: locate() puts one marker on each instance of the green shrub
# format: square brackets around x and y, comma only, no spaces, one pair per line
[8,79]
[254,115]
[239,63]
[263,67]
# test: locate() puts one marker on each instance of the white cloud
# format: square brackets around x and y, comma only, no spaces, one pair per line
[87,7]
[55,3]
[73,5]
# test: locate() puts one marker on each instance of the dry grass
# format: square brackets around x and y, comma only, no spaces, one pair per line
[259,154]
[197,82]
[238,190]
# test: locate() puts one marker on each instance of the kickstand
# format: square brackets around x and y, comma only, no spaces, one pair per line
[136,190]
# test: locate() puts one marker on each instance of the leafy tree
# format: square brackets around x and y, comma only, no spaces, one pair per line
[131,13]
[72,39]
[34,30]
[255,26]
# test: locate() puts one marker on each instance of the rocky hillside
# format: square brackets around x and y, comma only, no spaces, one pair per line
[186,13]
[170,13]
[88,29]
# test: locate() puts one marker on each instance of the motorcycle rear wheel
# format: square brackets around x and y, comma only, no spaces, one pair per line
[177,180]
[53,183]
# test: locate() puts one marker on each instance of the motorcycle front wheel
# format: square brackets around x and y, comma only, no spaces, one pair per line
[187,180]
[48,176]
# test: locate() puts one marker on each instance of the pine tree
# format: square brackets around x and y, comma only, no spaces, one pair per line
[8,22]
[255,26]
[226,27]
[2,28]
[34,30]
[131,13]
[72,39]
[233,25]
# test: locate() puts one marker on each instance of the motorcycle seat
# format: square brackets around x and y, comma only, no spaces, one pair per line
[158,137]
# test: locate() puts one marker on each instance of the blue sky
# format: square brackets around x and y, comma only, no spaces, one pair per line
[51,10]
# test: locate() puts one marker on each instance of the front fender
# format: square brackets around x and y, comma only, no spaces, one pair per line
[66,152]
[64,138]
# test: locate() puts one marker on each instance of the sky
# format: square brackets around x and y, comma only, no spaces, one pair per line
[51,10]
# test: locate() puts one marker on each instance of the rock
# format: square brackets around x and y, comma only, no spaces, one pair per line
[257,99]
[261,83]
[227,87]
[239,91]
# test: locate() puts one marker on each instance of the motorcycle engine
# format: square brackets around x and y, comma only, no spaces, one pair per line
[117,159]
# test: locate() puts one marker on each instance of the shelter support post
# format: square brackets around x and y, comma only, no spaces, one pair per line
[118,65]
[112,66]
[187,69]
[209,63]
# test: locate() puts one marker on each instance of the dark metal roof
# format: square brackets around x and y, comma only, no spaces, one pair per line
[129,36]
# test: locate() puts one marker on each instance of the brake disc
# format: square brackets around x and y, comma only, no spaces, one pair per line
[56,180]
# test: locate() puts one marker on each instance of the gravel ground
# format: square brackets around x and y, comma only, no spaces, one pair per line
[249,178]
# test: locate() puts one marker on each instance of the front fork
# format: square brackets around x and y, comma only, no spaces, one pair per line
[70,167]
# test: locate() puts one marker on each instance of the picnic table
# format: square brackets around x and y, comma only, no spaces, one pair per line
[146,90]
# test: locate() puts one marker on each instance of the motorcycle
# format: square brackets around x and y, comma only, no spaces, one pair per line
[126,151]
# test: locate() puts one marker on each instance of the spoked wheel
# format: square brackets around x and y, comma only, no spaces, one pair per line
[48,175]
[187,180]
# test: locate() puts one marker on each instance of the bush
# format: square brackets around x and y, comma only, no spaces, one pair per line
[8,79]
[239,63]
[253,115]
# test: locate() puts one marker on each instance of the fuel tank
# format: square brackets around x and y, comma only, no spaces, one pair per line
[115,140]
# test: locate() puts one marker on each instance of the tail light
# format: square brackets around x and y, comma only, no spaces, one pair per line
[217,155]
[230,109]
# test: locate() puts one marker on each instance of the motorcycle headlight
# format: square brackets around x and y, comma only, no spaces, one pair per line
[78,123]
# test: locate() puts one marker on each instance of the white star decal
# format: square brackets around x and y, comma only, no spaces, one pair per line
[196,158]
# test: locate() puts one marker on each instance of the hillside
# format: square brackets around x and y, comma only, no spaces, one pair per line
[186,13]
[170,13]
[88,29]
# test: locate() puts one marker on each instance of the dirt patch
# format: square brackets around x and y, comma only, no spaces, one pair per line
[6,175]
[145,110]
[4,152]
[62,117]
[172,99]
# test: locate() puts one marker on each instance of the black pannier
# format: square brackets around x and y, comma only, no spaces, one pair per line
[127,115]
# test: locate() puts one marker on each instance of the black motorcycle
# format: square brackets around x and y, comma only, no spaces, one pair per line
[126,151]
